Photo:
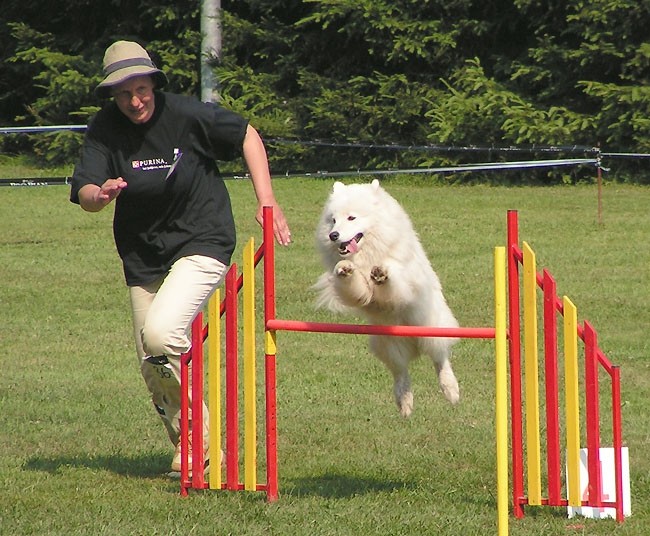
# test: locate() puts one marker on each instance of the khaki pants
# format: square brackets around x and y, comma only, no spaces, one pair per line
[163,312]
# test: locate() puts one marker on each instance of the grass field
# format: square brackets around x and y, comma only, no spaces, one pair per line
[82,451]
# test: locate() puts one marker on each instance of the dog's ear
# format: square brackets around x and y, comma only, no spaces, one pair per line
[375,184]
[337,186]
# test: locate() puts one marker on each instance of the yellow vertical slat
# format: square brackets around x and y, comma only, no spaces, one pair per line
[214,388]
[572,401]
[501,358]
[250,416]
[533,455]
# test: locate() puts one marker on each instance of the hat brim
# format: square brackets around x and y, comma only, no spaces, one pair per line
[103,89]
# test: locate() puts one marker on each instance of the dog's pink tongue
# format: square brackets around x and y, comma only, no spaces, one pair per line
[352,246]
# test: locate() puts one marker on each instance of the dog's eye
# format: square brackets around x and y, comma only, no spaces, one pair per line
[333,220]
[352,218]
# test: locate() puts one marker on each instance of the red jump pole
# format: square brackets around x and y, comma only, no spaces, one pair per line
[514,351]
[232,411]
[197,403]
[185,412]
[593,415]
[618,441]
[378,329]
[270,359]
[553,463]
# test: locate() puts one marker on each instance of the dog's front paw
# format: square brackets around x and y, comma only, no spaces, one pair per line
[344,268]
[379,275]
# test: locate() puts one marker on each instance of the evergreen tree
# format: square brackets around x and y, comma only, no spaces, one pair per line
[403,72]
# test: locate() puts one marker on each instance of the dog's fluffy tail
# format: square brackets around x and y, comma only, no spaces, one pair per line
[327,298]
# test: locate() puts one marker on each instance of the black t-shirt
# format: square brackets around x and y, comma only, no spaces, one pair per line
[175,203]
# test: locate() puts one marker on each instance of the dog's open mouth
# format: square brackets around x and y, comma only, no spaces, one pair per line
[351,246]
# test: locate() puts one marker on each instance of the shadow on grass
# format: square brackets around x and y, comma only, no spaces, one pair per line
[144,465]
[340,486]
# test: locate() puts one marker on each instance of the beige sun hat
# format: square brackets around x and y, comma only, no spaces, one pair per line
[124,60]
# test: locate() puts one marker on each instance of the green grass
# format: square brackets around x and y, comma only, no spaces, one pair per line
[82,451]
[13,166]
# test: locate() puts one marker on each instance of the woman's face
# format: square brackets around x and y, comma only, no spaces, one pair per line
[135,98]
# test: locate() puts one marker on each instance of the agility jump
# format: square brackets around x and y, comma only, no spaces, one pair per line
[594,359]
[507,334]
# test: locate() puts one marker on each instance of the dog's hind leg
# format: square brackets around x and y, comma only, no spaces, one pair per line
[447,380]
[403,393]
[439,350]
[396,356]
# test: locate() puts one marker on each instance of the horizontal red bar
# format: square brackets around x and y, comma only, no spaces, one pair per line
[362,329]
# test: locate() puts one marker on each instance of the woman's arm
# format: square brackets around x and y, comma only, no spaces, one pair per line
[258,166]
[93,198]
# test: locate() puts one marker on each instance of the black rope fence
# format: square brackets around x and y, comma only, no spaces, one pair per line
[590,156]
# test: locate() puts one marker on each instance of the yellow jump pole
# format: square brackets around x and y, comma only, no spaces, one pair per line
[572,402]
[533,454]
[250,414]
[214,388]
[500,344]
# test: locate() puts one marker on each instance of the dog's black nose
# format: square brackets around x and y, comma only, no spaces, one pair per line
[334,236]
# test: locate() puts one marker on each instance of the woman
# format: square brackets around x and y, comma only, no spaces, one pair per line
[154,154]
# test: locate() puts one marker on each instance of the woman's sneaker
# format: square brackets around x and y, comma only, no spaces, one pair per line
[176,461]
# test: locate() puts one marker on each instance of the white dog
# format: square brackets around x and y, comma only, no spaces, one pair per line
[376,266]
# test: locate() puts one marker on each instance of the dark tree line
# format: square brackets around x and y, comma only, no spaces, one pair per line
[406,72]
